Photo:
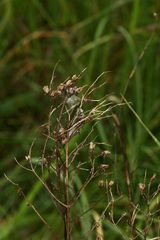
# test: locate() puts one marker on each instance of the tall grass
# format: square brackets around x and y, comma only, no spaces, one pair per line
[102,36]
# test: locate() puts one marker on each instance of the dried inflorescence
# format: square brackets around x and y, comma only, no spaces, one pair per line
[67,88]
[57,169]
[141,187]
[74,108]
[71,116]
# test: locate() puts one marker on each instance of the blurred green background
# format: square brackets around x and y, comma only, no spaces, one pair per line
[100,35]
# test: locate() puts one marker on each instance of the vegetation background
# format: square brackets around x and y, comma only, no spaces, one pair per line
[106,35]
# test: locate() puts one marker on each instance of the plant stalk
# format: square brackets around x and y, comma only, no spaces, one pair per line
[67,210]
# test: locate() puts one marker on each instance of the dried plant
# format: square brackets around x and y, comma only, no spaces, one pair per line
[75,109]
[72,109]
[74,112]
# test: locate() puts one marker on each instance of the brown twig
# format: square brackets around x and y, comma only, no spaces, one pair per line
[67,211]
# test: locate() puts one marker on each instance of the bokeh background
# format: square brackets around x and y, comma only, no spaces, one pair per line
[105,35]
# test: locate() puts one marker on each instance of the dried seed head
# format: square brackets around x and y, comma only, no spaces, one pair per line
[27,158]
[92,146]
[141,186]
[61,87]
[46,89]
[104,167]
[153,177]
[101,183]
[74,77]
[72,90]
[111,183]
[69,83]
[105,153]
[44,161]
[55,93]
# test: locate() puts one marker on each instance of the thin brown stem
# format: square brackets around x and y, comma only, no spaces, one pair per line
[67,212]
[28,203]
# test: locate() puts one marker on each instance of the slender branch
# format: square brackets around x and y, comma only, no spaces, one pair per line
[67,212]
[29,204]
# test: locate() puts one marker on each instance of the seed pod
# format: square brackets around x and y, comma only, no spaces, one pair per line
[111,183]
[72,90]
[101,183]
[104,167]
[92,146]
[105,153]
[69,83]
[46,89]
[141,186]
[74,77]
[27,158]
[55,93]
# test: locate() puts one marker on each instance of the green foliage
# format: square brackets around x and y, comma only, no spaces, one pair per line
[101,36]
